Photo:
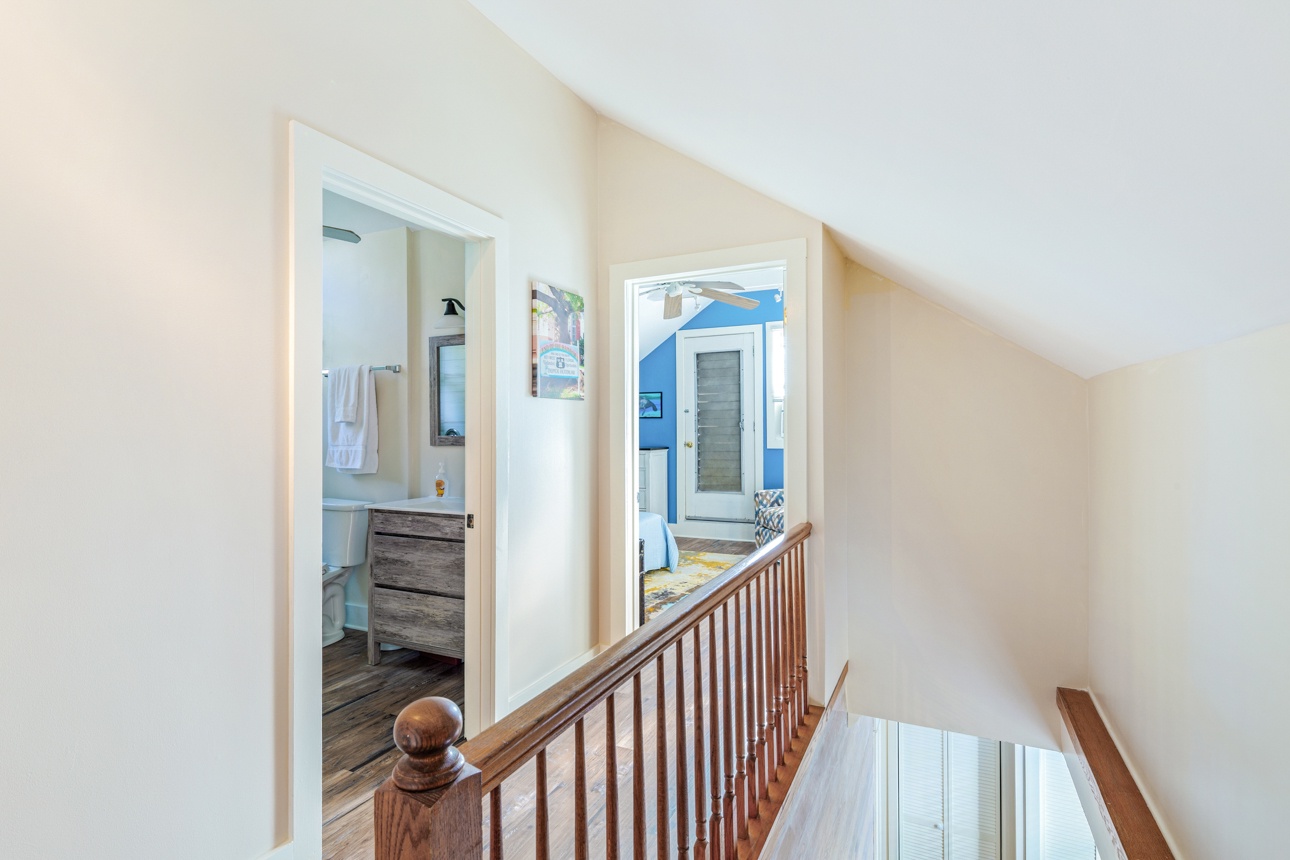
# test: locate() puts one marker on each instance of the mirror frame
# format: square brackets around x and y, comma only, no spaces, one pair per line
[435,344]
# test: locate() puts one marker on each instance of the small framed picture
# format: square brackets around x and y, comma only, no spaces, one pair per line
[651,404]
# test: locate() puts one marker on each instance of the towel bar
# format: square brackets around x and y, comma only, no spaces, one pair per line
[392,368]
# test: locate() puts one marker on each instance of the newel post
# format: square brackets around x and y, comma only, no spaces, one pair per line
[430,808]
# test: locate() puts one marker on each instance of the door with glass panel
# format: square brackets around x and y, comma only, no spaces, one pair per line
[716,376]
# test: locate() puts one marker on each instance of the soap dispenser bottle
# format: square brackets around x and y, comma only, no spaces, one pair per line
[441,482]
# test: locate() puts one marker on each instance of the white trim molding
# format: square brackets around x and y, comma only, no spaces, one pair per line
[559,673]
[320,163]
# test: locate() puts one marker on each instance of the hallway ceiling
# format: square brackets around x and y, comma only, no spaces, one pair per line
[1100,182]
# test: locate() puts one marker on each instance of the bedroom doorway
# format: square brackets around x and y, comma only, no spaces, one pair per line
[700,377]
[650,302]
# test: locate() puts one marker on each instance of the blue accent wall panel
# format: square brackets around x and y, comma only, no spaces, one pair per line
[658,373]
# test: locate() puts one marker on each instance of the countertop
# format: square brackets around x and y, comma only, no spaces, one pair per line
[427,505]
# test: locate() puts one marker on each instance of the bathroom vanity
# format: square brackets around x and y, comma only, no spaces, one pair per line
[418,589]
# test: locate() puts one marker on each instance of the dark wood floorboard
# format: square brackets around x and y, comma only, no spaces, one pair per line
[359,704]
[725,547]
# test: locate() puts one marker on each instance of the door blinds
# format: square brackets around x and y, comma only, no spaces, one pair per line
[718,421]
[949,796]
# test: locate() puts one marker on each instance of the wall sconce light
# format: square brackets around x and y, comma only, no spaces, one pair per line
[451,321]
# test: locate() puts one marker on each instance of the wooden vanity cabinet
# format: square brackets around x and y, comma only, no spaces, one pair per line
[418,589]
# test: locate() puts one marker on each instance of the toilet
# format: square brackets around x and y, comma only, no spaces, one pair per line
[344,548]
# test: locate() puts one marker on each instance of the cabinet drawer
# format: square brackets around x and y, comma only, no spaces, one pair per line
[422,621]
[425,565]
[452,527]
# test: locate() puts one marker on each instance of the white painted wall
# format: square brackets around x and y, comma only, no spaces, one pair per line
[968,554]
[654,203]
[437,270]
[143,507]
[365,321]
[1190,550]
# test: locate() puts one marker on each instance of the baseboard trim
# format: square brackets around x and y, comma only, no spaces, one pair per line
[282,852]
[711,530]
[546,681]
[356,617]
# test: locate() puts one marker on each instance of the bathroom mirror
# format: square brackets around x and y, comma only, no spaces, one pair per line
[448,390]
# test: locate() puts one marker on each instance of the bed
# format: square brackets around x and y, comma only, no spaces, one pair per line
[660,546]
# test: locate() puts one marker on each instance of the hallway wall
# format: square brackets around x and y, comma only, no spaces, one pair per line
[968,552]
[150,360]
[1190,551]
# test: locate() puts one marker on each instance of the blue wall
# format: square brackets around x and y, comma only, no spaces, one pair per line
[658,373]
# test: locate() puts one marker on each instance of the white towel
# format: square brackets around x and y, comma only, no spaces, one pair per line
[351,445]
[344,391]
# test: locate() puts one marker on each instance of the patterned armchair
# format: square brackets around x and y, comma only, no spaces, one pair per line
[769,516]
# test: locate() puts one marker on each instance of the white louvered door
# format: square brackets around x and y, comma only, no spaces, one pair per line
[716,376]
[949,797]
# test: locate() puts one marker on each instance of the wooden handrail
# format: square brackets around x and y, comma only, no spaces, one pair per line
[503,748]
[748,625]
[1124,811]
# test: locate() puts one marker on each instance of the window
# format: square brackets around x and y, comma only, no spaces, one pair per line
[1056,828]
[776,382]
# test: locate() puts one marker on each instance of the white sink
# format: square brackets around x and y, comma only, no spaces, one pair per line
[427,505]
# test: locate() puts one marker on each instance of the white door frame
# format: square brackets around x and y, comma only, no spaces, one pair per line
[619,523]
[686,527]
[319,162]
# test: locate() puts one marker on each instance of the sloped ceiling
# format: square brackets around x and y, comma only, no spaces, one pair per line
[1102,182]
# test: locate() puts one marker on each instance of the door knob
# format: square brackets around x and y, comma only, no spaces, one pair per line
[689,444]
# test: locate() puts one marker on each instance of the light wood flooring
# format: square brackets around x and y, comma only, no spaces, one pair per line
[725,547]
[360,703]
[831,810]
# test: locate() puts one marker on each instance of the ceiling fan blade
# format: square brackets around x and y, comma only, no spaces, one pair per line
[728,298]
[671,307]
[719,285]
[342,234]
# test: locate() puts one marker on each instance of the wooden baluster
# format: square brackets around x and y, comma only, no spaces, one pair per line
[801,625]
[785,735]
[543,828]
[727,736]
[791,715]
[714,738]
[764,695]
[700,781]
[754,715]
[741,751]
[410,820]
[775,657]
[660,762]
[682,766]
[495,823]
[638,772]
[611,780]
[579,791]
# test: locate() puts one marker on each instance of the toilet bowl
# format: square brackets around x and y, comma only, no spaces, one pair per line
[344,549]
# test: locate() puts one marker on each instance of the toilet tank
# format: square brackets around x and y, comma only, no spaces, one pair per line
[344,532]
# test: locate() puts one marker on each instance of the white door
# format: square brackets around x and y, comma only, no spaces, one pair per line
[716,377]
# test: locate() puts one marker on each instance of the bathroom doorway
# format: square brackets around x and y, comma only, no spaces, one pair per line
[394,497]
[368,310]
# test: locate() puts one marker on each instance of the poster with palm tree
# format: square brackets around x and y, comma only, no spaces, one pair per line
[559,356]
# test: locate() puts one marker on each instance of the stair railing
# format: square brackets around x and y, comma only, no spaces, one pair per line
[718,730]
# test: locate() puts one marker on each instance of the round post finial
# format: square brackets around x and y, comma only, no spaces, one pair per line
[426,731]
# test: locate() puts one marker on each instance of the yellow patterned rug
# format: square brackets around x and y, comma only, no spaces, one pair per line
[663,588]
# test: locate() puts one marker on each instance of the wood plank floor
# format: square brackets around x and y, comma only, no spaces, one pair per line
[831,811]
[725,547]
[360,703]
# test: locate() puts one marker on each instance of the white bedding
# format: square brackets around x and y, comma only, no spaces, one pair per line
[660,545]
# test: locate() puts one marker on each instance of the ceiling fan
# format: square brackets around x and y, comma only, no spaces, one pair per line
[672,293]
